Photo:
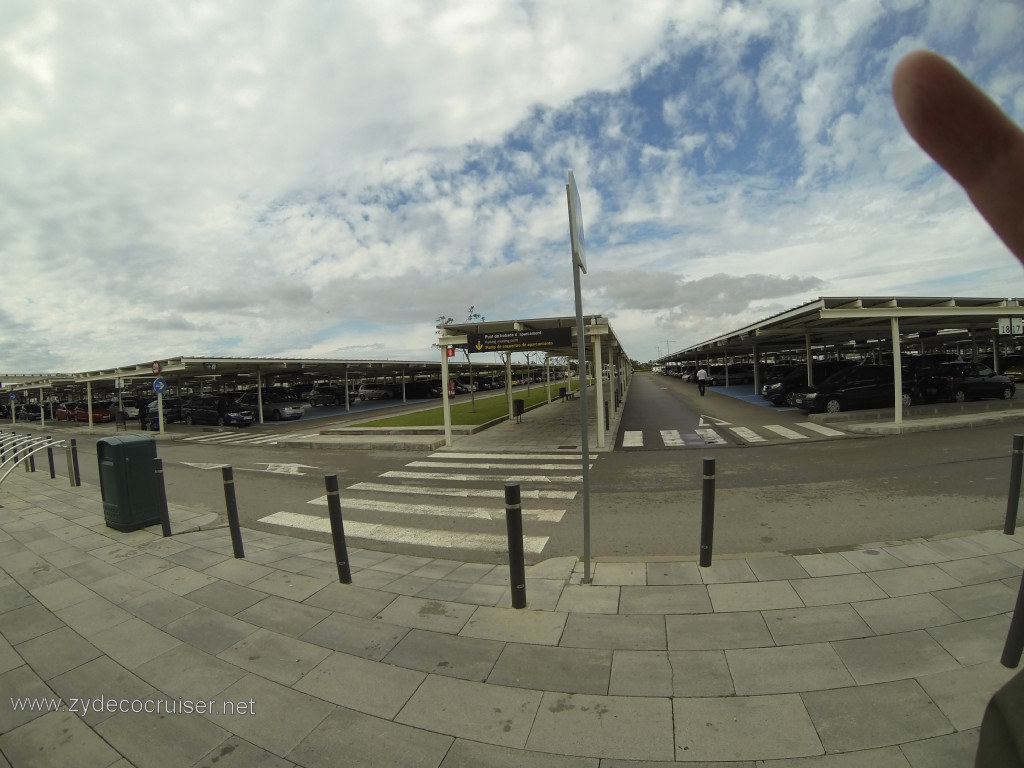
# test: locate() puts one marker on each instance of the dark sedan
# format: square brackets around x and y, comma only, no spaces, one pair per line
[217,409]
[966,381]
[851,389]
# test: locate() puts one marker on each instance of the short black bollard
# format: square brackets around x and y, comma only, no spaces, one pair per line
[1016,463]
[49,456]
[161,497]
[232,505]
[337,529]
[74,462]
[1015,636]
[31,462]
[71,468]
[707,513]
[516,558]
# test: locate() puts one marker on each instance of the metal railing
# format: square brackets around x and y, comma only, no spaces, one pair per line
[21,449]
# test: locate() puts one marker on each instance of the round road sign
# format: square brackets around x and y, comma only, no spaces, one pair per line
[159,385]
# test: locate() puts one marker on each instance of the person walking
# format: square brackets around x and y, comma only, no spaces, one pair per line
[702,380]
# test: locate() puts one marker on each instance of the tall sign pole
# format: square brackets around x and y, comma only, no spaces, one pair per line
[579,264]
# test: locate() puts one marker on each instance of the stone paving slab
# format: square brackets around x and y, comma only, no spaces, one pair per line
[877,656]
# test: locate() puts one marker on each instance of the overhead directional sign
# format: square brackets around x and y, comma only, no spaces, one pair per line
[520,341]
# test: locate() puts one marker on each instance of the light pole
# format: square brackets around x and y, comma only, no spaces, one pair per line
[579,264]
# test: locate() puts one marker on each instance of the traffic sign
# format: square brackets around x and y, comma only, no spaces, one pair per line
[159,385]
[157,367]
[579,246]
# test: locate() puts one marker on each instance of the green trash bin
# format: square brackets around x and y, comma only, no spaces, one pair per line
[128,481]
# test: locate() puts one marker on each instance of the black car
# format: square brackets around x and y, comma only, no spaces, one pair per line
[326,395]
[854,388]
[217,409]
[965,381]
[784,388]
[172,413]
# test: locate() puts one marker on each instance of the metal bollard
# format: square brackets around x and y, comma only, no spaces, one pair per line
[707,513]
[516,558]
[1016,463]
[229,499]
[161,497]
[1015,636]
[74,462]
[337,529]
[49,456]
[71,469]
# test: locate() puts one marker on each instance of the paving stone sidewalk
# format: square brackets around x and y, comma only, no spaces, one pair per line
[881,656]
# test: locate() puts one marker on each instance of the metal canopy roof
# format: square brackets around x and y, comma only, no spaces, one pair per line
[228,368]
[836,321]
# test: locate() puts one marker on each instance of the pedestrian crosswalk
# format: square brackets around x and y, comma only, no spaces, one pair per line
[452,501]
[238,437]
[723,433]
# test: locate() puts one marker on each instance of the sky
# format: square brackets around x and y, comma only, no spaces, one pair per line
[304,178]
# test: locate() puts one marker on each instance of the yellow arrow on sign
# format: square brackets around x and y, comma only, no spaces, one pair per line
[479,346]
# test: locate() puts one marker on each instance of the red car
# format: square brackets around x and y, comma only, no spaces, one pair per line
[65,412]
[102,411]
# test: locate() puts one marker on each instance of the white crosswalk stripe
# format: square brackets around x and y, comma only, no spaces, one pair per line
[672,437]
[821,429]
[467,501]
[703,435]
[709,436]
[786,432]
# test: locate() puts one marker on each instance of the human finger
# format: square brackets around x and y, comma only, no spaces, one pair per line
[969,136]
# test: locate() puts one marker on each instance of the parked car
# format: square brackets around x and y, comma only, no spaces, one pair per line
[854,388]
[102,411]
[276,406]
[783,390]
[216,409]
[377,391]
[172,412]
[326,395]
[423,389]
[65,412]
[29,412]
[966,381]
[129,405]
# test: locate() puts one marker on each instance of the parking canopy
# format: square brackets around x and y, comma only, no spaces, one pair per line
[848,325]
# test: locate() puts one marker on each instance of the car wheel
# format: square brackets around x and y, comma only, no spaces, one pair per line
[833,406]
[220,421]
[907,400]
[1007,393]
[188,419]
[791,398]
[363,398]
[312,403]
[959,396]
[275,416]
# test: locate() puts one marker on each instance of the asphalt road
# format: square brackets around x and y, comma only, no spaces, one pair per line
[796,496]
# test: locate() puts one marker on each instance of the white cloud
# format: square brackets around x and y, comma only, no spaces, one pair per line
[306,177]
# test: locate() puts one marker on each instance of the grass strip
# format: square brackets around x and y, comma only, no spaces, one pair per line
[488,408]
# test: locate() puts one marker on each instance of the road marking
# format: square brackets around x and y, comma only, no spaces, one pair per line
[706,421]
[785,432]
[487,493]
[710,437]
[497,512]
[820,429]
[484,478]
[747,434]
[502,456]
[203,465]
[672,437]
[393,534]
[483,465]
[632,439]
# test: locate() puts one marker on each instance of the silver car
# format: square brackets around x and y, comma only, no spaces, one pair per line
[276,405]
